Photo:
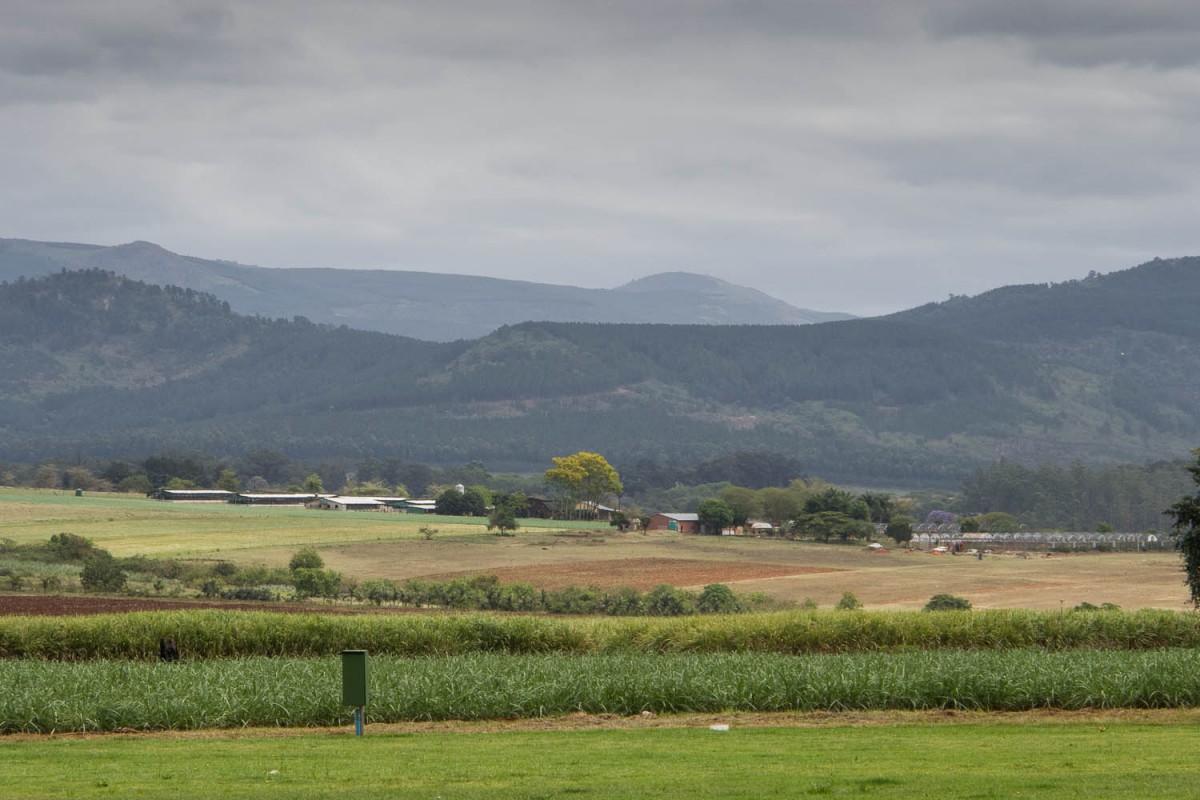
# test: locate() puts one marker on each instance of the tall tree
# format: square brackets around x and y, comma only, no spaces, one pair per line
[780,506]
[1187,531]
[583,477]
[715,516]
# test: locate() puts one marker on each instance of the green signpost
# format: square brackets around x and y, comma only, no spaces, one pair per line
[354,684]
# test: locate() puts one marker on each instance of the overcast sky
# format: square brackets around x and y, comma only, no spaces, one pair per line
[852,156]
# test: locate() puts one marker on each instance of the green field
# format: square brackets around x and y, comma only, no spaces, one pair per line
[1099,759]
[129,525]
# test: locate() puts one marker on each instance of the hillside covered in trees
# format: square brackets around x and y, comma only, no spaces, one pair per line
[1102,370]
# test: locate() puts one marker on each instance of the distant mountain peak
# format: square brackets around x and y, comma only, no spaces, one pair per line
[675,281]
[423,305]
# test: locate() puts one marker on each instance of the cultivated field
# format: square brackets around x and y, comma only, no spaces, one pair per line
[553,554]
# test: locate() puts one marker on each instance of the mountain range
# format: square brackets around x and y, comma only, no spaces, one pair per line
[1101,370]
[423,305]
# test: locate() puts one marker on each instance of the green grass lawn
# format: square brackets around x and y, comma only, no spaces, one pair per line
[127,525]
[975,760]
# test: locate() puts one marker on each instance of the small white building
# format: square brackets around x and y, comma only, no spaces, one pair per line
[345,503]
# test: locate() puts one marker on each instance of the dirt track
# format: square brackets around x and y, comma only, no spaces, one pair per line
[583,722]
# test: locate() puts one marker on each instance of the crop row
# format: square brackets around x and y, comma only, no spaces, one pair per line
[226,634]
[40,696]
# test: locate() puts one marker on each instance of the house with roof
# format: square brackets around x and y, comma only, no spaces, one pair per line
[421,506]
[272,499]
[681,522]
[193,495]
[344,503]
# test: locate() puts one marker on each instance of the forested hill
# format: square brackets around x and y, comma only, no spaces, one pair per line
[1127,342]
[95,364]
[424,305]
[1159,297]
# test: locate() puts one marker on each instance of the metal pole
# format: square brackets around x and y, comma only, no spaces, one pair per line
[358,721]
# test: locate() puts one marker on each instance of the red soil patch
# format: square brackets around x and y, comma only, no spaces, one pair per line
[640,573]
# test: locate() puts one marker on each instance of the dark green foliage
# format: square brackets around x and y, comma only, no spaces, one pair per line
[829,524]
[717,598]
[715,516]
[900,529]
[67,547]
[306,558]
[503,520]
[101,573]
[947,602]
[1086,606]
[467,503]
[311,582]
[486,593]
[1128,497]
[377,591]
[668,601]
[506,508]
[258,593]
[1186,513]
[620,520]
[848,602]
[624,601]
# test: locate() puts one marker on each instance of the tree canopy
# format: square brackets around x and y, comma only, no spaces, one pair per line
[582,478]
[714,516]
[1187,531]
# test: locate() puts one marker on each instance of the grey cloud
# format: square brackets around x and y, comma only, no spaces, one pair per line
[1047,168]
[1083,33]
[854,156]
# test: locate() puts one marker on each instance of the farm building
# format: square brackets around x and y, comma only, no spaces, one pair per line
[537,506]
[684,523]
[340,503]
[272,499]
[597,511]
[417,506]
[193,495]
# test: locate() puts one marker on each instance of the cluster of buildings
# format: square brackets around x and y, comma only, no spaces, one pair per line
[326,502]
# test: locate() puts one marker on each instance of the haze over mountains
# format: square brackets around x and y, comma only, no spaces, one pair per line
[423,305]
[1103,369]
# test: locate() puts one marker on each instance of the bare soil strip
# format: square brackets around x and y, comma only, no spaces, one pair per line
[581,722]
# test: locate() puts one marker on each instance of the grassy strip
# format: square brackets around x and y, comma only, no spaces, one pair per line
[219,634]
[978,760]
[128,525]
[40,697]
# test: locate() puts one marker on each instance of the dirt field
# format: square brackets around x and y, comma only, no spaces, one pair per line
[785,569]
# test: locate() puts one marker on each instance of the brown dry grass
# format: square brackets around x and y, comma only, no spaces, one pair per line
[786,570]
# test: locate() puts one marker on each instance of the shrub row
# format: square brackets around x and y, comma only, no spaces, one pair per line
[226,634]
[486,593]
[107,695]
